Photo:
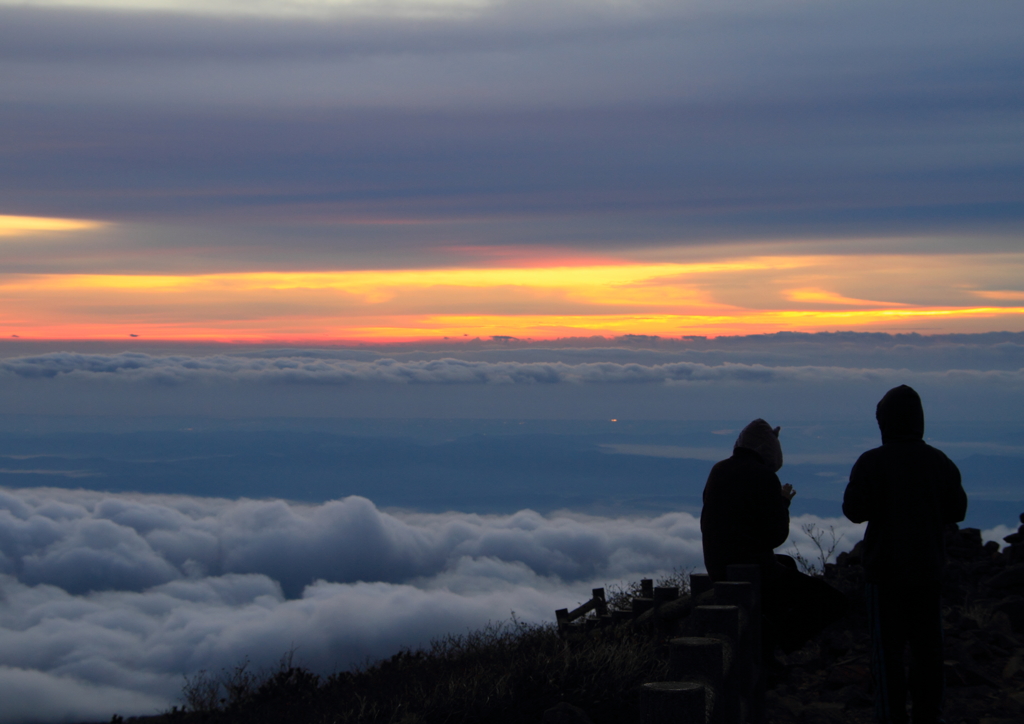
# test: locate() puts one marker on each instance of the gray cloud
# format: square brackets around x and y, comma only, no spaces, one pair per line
[31,696]
[548,123]
[329,369]
[536,50]
[68,654]
[705,384]
[92,541]
[179,584]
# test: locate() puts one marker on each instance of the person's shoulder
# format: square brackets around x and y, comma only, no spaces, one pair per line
[938,455]
[933,450]
[722,470]
[722,465]
[868,456]
[740,468]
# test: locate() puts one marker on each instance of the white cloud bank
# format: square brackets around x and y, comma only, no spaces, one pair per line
[107,601]
[139,367]
[313,385]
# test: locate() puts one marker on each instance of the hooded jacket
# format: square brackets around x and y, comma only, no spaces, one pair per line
[907,491]
[745,516]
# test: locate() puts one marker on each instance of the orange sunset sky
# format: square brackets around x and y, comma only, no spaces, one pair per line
[329,172]
[537,294]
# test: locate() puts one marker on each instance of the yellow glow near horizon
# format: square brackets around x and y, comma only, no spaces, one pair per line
[25,225]
[740,296]
[550,277]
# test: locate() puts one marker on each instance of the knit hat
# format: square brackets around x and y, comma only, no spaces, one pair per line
[763,439]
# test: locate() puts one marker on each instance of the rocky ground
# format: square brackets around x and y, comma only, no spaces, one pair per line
[829,681]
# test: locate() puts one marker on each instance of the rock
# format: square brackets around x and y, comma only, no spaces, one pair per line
[856,556]
[565,713]
[1000,624]
[971,536]
[1013,607]
[835,643]
[820,712]
[965,674]
[1014,553]
[1010,579]
[855,696]
[849,674]
[791,705]
[1014,666]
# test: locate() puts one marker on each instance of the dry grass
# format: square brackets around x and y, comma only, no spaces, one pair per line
[509,672]
[621,595]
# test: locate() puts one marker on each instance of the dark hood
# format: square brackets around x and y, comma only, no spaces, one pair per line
[763,439]
[900,415]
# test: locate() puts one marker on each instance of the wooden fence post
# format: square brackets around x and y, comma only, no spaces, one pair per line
[672,702]
[756,686]
[719,671]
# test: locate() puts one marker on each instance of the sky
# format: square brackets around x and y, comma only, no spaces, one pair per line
[316,172]
[337,325]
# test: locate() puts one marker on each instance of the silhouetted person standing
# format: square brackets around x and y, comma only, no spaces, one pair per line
[907,491]
[744,518]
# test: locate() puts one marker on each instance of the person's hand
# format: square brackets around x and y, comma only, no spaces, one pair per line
[788,492]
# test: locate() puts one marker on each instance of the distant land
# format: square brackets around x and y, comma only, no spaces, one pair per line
[495,466]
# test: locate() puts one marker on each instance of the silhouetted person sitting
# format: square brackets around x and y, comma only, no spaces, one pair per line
[907,491]
[745,517]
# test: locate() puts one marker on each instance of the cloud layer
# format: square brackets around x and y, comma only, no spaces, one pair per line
[106,601]
[328,369]
[573,124]
[667,384]
[88,541]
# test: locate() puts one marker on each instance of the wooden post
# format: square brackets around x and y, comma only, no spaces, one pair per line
[755,686]
[700,660]
[641,604]
[720,622]
[664,594]
[725,623]
[746,656]
[672,702]
[699,583]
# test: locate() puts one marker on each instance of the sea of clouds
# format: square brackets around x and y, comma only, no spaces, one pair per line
[326,369]
[526,384]
[108,600]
